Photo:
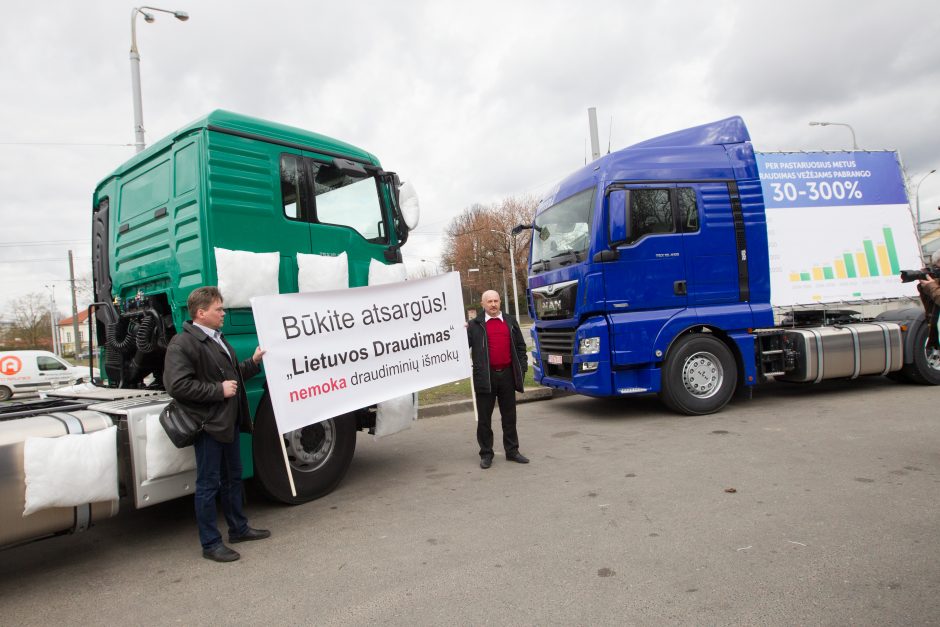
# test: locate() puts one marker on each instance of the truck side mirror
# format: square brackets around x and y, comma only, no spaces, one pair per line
[617,216]
[408,202]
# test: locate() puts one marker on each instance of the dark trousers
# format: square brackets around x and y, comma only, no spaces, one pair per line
[503,391]
[218,473]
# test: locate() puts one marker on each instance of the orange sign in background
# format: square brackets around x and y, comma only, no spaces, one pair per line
[10,365]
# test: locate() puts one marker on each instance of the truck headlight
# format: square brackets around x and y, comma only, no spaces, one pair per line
[588,366]
[589,345]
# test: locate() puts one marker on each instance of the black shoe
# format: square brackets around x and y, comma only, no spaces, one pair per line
[519,458]
[486,462]
[220,553]
[251,534]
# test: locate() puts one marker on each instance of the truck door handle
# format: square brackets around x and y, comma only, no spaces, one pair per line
[680,288]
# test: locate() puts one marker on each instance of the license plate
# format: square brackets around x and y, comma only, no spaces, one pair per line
[555,359]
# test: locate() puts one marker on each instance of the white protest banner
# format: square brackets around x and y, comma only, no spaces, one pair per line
[335,351]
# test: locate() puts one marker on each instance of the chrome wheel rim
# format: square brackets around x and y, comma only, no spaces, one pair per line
[310,447]
[933,357]
[702,374]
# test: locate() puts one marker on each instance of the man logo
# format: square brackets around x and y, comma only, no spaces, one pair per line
[10,365]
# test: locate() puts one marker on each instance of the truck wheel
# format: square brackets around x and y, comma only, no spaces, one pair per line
[319,456]
[926,367]
[5,393]
[699,376]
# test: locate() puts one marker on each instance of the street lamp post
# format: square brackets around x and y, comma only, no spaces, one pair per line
[469,286]
[135,68]
[848,126]
[917,206]
[53,321]
[512,267]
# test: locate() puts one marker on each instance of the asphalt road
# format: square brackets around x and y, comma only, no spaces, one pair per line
[624,516]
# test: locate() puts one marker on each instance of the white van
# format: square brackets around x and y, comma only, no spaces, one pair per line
[33,371]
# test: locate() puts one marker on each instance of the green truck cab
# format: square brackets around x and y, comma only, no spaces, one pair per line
[239,183]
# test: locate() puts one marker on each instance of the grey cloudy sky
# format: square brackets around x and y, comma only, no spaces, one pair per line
[472,102]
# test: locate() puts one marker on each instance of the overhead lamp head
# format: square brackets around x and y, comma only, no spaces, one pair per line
[148,17]
[182,16]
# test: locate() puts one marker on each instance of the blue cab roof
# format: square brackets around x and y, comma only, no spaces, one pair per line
[718,150]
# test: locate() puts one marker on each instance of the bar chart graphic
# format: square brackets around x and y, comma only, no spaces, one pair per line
[830,255]
[871,258]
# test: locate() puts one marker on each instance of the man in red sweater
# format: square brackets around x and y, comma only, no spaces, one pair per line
[498,353]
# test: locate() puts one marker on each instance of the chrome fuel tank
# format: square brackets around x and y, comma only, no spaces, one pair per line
[843,352]
[16,528]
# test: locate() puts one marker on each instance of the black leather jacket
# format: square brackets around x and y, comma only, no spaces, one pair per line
[193,372]
[480,353]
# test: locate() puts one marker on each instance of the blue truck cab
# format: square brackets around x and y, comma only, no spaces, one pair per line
[649,273]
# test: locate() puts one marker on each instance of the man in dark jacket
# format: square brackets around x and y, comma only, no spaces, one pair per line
[498,353]
[202,376]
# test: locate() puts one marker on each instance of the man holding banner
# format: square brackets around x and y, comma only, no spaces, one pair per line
[498,354]
[203,377]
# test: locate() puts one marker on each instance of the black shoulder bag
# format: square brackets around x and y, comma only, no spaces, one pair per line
[180,427]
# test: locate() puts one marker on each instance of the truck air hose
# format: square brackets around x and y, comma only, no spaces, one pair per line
[118,336]
[145,335]
[112,357]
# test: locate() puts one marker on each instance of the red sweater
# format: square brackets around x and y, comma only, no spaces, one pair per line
[497,337]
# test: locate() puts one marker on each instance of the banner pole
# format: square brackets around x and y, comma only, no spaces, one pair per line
[473,395]
[290,476]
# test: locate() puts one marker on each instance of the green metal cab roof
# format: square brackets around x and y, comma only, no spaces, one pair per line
[235,123]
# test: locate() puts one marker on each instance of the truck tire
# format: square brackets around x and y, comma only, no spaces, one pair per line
[926,367]
[699,376]
[5,393]
[319,456]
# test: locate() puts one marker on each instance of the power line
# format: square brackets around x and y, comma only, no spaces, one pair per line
[39,242]
[21,281]
[38,260]
[61,144]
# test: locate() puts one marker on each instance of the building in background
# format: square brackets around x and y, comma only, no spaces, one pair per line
[67,334]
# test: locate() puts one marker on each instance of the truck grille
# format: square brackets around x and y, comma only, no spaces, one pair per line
[556,342]
[556,301]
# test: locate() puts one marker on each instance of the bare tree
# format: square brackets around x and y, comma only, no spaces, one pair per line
[31,323]
[83,290]
[422,271]
[477,245]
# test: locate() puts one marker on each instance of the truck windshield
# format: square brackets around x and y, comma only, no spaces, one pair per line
[317,192]
[352,202]
[562,232]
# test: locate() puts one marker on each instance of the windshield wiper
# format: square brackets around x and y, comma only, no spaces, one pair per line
[555,260]
[568,253]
